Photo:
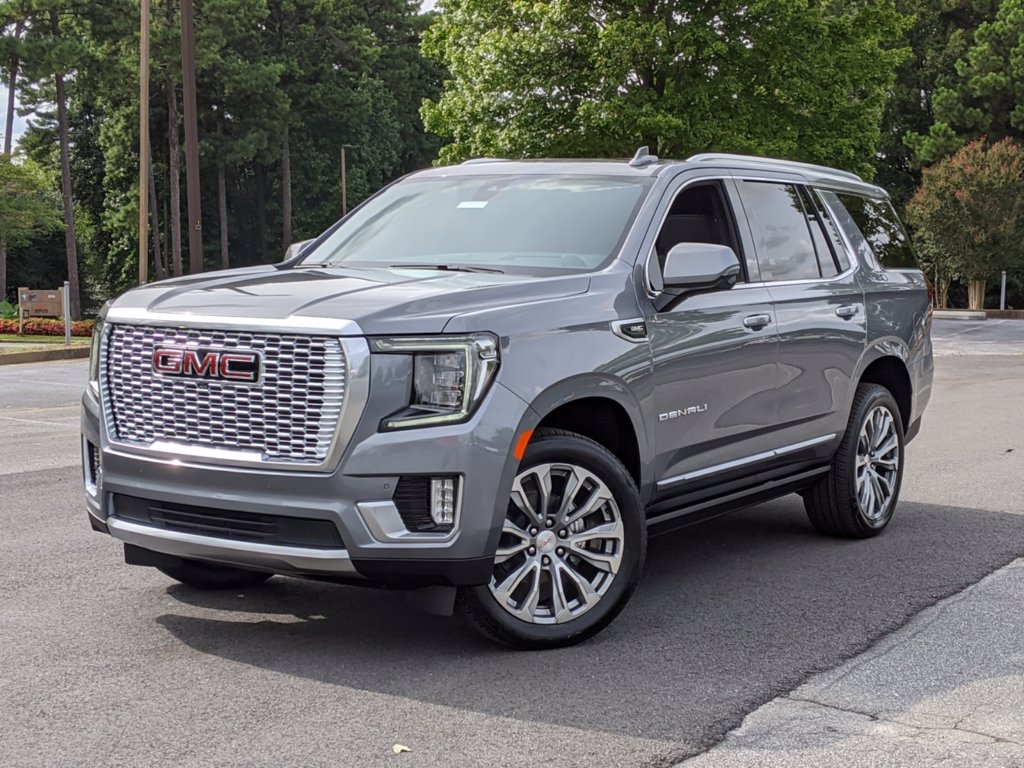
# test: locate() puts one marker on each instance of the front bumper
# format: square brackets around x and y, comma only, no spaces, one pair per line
[357,498]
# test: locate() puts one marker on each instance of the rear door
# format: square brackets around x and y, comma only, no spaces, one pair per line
[819,306]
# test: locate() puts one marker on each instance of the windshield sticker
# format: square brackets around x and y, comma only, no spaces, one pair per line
[473,204]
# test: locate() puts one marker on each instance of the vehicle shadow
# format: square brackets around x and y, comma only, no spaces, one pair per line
[729,614]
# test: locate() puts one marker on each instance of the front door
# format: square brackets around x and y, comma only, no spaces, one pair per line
[714,354]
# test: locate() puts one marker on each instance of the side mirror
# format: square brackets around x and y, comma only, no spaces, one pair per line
[692,267]
[295,249]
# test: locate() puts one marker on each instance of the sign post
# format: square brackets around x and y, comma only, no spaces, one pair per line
[66,296]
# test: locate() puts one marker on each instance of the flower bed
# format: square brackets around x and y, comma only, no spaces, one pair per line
[47,327]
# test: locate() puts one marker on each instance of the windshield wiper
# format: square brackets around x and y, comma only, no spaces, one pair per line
[448,268]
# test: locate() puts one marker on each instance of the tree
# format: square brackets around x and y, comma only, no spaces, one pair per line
[27,206]
[331,71]
[983,97]
[968,216]
[791,78]
[942,32]
[52,49]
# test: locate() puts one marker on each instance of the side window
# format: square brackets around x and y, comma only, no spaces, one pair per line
[826,259]
[839,252]
[782,237]
[877,223]
[699,214]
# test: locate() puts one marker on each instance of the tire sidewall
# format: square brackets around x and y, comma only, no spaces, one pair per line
[596,459]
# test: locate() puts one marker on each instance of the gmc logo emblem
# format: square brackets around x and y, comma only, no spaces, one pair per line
[200,363]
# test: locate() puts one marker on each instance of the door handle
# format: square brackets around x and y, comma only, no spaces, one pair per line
[847,311]
[757,322]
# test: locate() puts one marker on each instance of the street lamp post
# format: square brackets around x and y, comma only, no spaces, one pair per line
[344,178]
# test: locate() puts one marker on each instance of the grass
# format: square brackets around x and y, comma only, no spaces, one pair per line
[42,341]
[24,348]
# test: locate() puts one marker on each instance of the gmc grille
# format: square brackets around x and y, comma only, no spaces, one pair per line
[290,415]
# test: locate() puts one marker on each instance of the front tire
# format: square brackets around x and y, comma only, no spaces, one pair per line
[207,576]
[857,498]
[571,550]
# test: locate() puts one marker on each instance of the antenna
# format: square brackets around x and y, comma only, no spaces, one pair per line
[643,157]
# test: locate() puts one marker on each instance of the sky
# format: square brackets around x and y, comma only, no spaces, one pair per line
[19,123]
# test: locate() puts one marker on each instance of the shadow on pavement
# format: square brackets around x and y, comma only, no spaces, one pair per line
[729,614]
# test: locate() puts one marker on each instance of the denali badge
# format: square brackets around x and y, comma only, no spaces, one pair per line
[197,363]
[690,411]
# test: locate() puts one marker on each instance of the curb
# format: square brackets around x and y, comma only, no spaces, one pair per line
[45,355]
[958,314]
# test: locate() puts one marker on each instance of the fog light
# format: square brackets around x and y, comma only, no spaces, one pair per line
[442,500]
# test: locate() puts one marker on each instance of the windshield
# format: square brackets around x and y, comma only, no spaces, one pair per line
[522,224]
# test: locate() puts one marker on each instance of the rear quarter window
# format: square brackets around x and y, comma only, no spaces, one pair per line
[874,229]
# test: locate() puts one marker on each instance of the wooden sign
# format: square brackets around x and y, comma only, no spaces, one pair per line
[39,304]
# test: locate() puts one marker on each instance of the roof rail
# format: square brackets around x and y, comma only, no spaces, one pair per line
[480,160]
[711,157]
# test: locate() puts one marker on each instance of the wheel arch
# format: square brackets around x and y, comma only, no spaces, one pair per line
[604,410]
[887,367]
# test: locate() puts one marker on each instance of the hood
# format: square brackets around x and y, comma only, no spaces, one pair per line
[378,301]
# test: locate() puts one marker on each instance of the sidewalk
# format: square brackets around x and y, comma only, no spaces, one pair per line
[947,689]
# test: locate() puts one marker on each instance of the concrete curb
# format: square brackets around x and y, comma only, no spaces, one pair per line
[44,355]
[958,314]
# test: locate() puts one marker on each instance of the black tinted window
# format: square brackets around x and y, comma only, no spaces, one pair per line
[838,247]
[782,238]
[826,261]
[877,221]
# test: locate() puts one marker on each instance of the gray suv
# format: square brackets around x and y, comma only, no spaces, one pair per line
[488,383]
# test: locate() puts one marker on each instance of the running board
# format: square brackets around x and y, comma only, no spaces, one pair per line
[720,505]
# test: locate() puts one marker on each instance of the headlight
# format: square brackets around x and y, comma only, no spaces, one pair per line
[451,375]
[94,357]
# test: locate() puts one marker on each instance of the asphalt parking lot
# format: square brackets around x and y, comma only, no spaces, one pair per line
[105,664]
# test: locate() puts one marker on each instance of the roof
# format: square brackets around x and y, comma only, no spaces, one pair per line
[622,167]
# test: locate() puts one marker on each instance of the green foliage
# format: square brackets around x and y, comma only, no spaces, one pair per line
[940,35]
[793,78]
[28,205]
[968,215]
[8,311]
[333,71]
[984,96]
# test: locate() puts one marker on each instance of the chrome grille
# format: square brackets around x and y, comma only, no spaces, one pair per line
[290,415]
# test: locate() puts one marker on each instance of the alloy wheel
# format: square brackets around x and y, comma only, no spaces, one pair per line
[878,463]
[561,544]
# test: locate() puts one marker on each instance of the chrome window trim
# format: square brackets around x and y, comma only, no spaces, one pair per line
[744,461]
[804,281]
[356,352]
[782,177]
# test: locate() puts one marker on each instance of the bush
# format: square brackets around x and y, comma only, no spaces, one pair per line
[7,310]
[47,327]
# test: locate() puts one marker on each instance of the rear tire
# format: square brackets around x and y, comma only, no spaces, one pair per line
[207,576]
[571,550]
[857,498]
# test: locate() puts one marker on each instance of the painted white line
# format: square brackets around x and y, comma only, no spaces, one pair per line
[68,424]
